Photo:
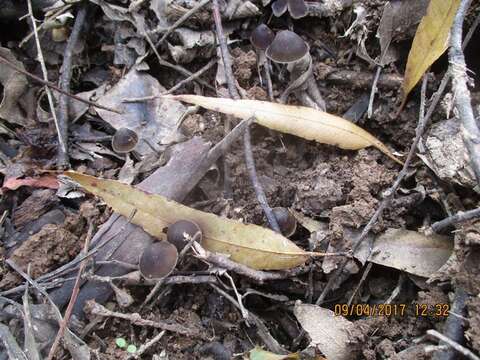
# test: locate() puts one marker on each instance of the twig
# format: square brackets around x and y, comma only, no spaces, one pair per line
[55,87]
[363,278]
[458,67]
[73,298]
[64,84]
[373,92]
[61,140]
[252,171]
[176,87]
[454,325]
[181,20]
[178,68]
[247,144]
[42,291]
[388,195]
[191,77]
[146,346]
[96,309]
[44,23]
[227,60]
[461,349]
[257,275]
[459,217]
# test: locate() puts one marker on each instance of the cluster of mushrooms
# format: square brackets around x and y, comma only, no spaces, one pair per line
[160,258]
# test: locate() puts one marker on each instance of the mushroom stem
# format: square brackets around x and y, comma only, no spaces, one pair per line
[304,82]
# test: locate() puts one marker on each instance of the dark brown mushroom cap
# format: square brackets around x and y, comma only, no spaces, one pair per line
[124,140]
[286,221]
[297,8]
[279,7]
[158,260]
[176,231]
[287,47]
[262,37]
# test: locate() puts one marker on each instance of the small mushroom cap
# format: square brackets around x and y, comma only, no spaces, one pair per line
[287,47]
[279,7]
[286,221]
[297,8]
[262,37]
[158,260]
[176,231]
[124,140]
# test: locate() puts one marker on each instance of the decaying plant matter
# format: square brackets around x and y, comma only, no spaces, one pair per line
[133,224]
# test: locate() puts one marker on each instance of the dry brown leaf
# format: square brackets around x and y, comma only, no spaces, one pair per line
[411,251]
[429,43]
[300,121]
[251,245]
[330,333]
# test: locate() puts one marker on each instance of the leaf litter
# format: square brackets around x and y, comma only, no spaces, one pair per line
[332,192]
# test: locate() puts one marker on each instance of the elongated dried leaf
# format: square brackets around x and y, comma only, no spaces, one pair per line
[411,251]
[430,42]
[251,245]
[300,121]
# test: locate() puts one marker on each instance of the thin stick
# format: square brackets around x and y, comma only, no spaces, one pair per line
[73,298]
[194,76]
[64,84]
[181,20]
[252,171]
[55,87]
[176,87]
[388,195]
[463,102]
[178,68]
[62,147]
[98,309]
[373,92]
[362,280]
[247,144]
[459,217]
[461,349]
[43,24]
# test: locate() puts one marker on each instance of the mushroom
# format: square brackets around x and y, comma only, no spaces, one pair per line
[296,8]
[286,221]
[124,140]
[158,260]
[261,37]
[289,48]
[177,231]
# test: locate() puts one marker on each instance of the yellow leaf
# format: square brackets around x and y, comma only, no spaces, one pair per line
[300,121]
[429,43]
[257,353]
[251,245]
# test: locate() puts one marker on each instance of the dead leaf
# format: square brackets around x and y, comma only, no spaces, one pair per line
[398,19]
[257,353]
[14,86]
[45,181]
[251,245]
[411,251]
[155,121]
[329,333]
[429,43]
[300,121]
